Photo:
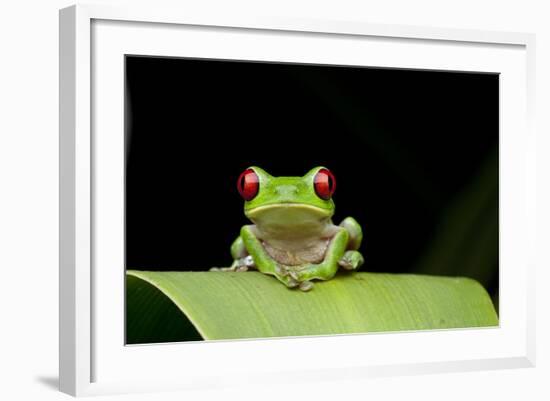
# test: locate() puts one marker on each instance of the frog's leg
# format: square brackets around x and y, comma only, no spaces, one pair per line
[238,250]
[262,260]
[354,231]
[326,269]
[352,258]
[242,261]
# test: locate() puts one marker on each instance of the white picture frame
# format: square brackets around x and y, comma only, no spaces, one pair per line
[93,358]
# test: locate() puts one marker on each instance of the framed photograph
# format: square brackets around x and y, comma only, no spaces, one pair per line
[239,192]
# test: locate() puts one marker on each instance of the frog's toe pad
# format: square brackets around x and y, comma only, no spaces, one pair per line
[306,285]
[291,283]
[351,260]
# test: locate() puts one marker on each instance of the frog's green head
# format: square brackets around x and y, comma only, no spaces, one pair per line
[287,200]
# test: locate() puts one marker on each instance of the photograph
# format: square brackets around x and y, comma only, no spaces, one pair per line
[277,199]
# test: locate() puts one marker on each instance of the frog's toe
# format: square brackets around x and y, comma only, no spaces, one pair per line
[306,285]
[351,260]
[291,283]
[346,264]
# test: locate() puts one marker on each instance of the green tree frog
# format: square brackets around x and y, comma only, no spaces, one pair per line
[293,237]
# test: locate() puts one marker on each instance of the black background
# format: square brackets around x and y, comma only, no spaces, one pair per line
[415,155]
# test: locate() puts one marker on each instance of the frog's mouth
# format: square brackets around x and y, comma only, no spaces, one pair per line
[288,214]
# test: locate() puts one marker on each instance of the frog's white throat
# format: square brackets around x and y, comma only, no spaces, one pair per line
[288,220]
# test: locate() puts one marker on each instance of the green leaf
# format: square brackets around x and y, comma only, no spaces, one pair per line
[182,306]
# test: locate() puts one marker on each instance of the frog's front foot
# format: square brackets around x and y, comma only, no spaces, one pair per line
[286,276]
[243,264]
[289,279]
[304,276]
[351,260]
[239,265]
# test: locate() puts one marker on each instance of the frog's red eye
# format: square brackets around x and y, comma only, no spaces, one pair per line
[248,184]
[324,184]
